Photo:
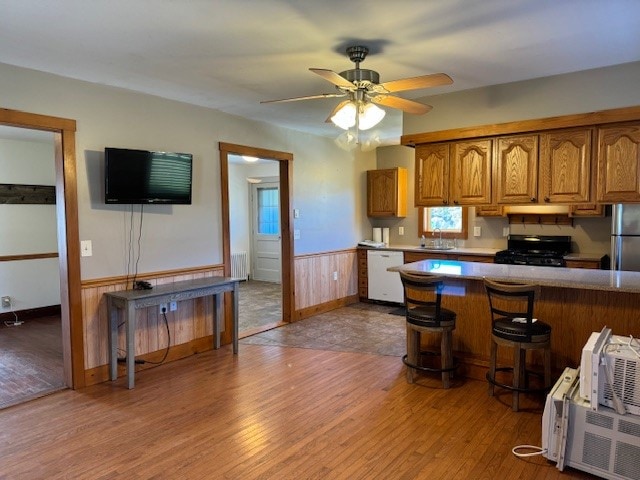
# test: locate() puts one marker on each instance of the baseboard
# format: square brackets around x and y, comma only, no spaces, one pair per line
[101,373]
[324,307]
[30,313]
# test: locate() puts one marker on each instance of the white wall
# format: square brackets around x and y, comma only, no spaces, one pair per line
[581,92]
[327,181]
[28,229]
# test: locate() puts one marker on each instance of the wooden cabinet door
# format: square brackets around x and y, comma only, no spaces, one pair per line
[471,172]
[432,175]
[517,169]
[387,192]
[619,164]
[565,166]
[586,210]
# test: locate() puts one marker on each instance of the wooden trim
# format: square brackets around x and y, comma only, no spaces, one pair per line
[108,281]
[285,160]
[100,374]
[566,121]
[29,313]
[68,236]
[322,254]
[27,256]
[325,307]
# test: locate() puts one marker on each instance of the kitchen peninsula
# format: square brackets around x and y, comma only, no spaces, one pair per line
[574,301]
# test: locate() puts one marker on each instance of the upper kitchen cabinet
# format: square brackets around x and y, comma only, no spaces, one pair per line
[619,164]
[432,175]
[565,166]
[517,169]
[470,181]
[456,173]
[387,192]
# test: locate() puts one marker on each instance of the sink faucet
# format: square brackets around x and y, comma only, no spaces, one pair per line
[439,244]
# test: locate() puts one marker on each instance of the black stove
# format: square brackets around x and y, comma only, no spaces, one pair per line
[539,250]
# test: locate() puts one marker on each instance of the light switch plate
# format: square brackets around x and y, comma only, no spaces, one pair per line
[477,231]
[400,230]
[505,231]
[86,249]
[296,213]
[296,234]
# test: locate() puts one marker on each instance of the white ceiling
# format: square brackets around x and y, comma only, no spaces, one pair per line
[231,54]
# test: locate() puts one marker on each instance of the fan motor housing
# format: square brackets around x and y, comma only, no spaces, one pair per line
[361,75]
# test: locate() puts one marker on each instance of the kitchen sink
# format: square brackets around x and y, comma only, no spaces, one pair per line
[438,247]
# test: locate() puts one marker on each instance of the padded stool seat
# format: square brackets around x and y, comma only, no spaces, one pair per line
[513,325]
[423,296]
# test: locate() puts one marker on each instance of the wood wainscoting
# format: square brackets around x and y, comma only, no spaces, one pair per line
[316,291]
[190,326]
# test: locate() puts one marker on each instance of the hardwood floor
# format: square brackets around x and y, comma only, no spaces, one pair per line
[30,360]
[273,412]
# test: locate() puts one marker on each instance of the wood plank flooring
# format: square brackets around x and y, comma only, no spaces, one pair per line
[30,360]
[273,412]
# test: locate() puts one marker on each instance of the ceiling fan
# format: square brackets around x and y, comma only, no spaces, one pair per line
[362,88]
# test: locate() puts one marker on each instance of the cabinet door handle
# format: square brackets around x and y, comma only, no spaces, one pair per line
[533,199]
[547,199]
[444,202]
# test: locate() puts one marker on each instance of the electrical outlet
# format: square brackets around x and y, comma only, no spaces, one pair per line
[477,231]
[164,308]
[505,231]
[173,306]
[400,230]
[6,302]
[335,275]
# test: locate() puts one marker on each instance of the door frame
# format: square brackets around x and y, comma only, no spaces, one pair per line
[68,235]
[285,162]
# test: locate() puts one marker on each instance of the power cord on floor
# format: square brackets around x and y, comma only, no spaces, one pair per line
[139,361]
[536,451]
[15,323]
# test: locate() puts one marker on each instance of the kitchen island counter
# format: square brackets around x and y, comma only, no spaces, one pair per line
[574,301]
[589,279]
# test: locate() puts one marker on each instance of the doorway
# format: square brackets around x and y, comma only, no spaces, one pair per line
[284,163]
[67,232]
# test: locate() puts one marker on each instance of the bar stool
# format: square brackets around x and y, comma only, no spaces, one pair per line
[422,296]
[513,325]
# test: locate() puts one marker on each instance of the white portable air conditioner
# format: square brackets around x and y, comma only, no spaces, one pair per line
[601,442]
[610,372]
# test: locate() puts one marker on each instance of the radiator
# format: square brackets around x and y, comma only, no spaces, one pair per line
[239,267]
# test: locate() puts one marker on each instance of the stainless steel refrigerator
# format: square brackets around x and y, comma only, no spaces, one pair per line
[625,237]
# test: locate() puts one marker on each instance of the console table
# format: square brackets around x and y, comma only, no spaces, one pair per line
[128,301]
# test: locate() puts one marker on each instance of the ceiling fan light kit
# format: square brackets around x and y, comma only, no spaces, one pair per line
[363,88]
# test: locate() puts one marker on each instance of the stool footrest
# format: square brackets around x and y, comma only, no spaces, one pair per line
[430,369]
[507,386]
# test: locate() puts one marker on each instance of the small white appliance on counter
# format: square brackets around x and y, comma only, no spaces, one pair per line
[384,285]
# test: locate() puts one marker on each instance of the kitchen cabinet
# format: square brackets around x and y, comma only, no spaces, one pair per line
[470,181]
[565,166]
[489,210]
[432,175]
[597,263]
[619,163]
[387,192]
[456,173]
[586,210]
[363,285]
[517,169]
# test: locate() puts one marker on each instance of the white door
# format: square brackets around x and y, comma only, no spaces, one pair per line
[265,201]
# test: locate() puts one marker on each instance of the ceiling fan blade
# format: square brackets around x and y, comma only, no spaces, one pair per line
[415,83]
[338,107]
[308,97]
[333,77]
[403,104]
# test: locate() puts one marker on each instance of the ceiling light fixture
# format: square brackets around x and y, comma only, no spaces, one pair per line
[247,158]
[368,115]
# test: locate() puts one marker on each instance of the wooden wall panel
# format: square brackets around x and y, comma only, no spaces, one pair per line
[190,321]
[314,284]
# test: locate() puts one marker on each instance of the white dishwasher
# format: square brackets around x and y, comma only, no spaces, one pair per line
[384,285]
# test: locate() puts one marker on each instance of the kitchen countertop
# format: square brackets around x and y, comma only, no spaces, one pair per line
[486,252]
[584,279]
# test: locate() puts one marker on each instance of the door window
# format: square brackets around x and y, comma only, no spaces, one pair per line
[268,211]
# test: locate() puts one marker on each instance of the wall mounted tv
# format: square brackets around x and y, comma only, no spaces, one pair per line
[141,176]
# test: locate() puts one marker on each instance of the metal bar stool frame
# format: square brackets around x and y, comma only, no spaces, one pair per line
[522,335]
[424,314]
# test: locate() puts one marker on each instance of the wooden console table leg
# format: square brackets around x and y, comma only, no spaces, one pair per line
[131,349]
[113,340]
[217,323]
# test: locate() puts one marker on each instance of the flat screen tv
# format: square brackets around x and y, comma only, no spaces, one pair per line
[141,176]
